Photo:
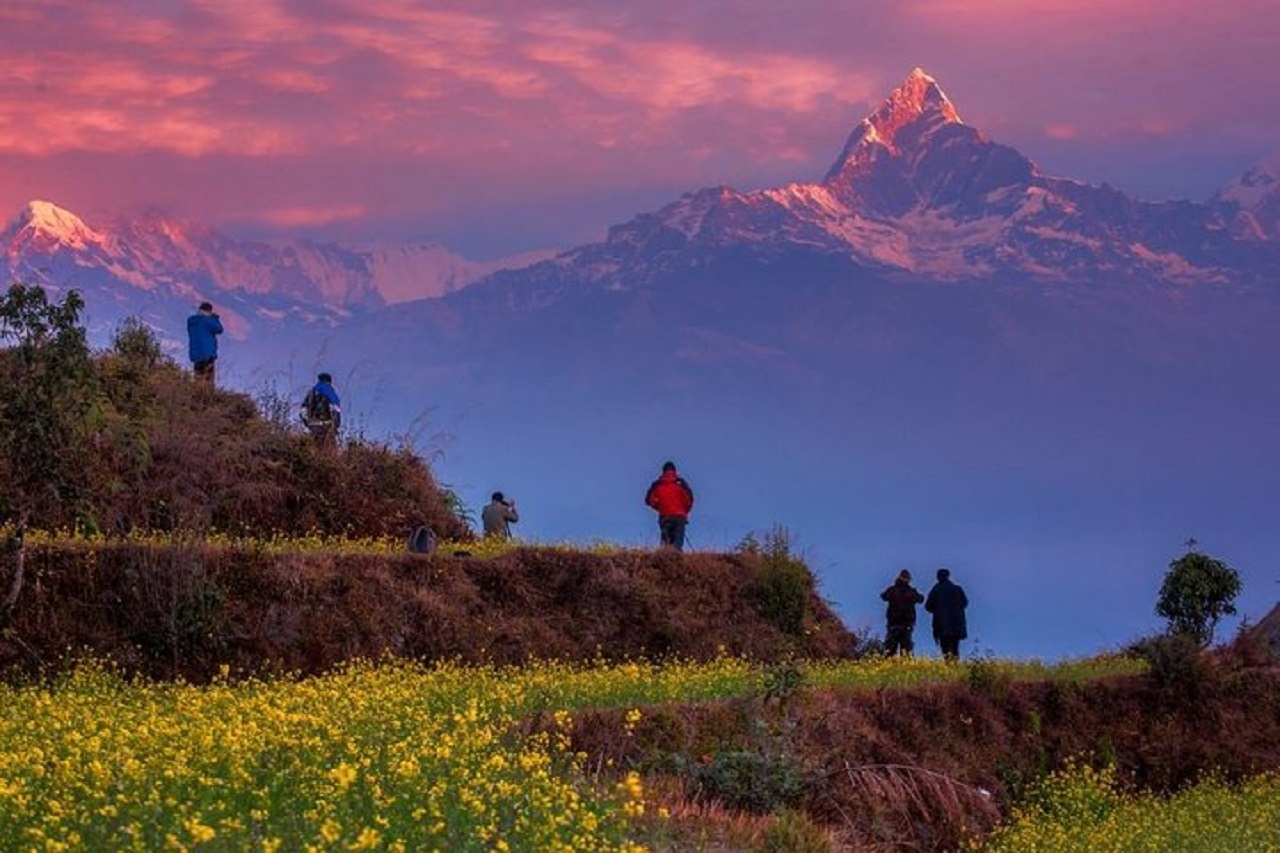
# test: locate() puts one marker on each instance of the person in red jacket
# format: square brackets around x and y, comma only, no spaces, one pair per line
[671,497]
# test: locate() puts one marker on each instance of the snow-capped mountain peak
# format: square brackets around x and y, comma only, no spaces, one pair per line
[1251,203]
[47,225]
[919,192]
[1253,185]
[919,100]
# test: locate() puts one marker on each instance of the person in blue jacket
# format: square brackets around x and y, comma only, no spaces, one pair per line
[203,328]
[322,410]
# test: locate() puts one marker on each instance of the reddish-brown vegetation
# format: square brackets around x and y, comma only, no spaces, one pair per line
[187,609]
[157,450]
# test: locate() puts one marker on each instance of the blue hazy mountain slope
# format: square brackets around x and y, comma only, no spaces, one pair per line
[1053,445]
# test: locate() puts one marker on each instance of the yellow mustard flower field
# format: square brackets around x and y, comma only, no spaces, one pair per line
[1081,810]
[400,756]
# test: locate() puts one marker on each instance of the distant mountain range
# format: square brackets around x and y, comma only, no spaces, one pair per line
[156,267]
[915,193]
[922,232]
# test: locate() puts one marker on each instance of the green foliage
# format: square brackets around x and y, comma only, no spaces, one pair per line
[1173,660]
[792,831]
[1081,809]
[986,677]
[174,600]
[50,405]
[783,581]
[135,343]
[1197,592]
[749,780]
[783,681]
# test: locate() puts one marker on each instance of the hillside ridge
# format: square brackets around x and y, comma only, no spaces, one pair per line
[190,610]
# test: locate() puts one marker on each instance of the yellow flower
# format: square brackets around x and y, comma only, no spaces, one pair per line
[631,720]
[368,839]
[331,830]
[198,831]
[344,774]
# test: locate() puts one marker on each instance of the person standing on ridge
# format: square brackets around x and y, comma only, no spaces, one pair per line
[947,603]
[900,615]
[671,497]
[203,328]
[322,411]
[498,517]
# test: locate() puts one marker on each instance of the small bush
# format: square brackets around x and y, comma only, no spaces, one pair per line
[783,581]
[985,677]
[793,832]
[783,681]
[748,780]
[1173,660]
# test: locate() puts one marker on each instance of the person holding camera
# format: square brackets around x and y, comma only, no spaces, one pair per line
[498,517]
[203,328]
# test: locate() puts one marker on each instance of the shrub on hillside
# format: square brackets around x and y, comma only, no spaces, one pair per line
[749,780]
[783,581]
[1173,660]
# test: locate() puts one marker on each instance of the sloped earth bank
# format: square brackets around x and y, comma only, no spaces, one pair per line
[185,610]
[926,768]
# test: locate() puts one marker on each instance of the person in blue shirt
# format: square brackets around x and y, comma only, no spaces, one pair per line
[322,410]
[203,328]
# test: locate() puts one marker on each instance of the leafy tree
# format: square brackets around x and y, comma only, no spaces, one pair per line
[1197,592]
[44,414]
[49,404]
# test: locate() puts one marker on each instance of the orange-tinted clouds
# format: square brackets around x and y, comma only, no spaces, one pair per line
[432,119]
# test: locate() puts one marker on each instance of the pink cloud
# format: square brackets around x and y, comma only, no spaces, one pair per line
[421,108]
[295,217]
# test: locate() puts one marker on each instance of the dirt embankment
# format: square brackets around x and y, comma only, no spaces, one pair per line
[186,610]
[925,768]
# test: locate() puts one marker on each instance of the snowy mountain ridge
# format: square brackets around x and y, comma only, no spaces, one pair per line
[48,244]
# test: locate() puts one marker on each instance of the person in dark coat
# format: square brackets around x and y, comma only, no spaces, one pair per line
[900,615]
[203,328]
[947,603]
[670,497]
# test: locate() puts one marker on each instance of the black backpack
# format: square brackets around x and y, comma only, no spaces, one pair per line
[422,540]
[317,407]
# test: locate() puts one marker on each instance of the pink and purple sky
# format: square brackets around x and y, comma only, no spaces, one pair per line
[497,126]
